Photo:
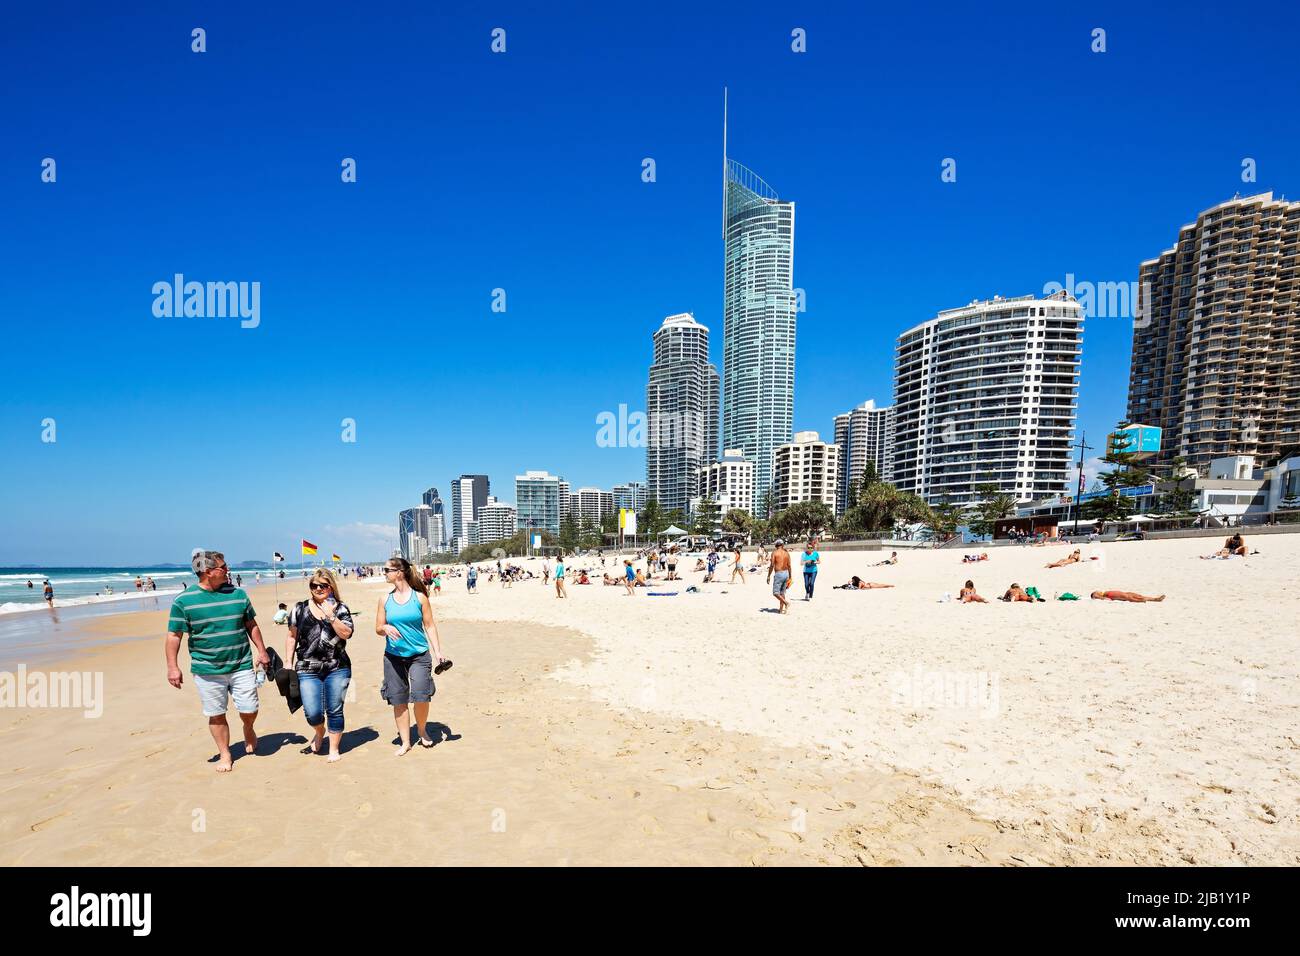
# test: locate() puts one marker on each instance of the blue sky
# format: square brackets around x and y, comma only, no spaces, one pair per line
[522,171]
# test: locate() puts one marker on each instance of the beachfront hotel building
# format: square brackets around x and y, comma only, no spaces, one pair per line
[590,505]
[806,469]
[469,493]
[758,320]
[537,501]
[729,481]
[865,434]
[1216,345]
[988,394]
[496,521]
[632,496]
[681,411]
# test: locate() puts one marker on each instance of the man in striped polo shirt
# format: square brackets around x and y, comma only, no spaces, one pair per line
[220,622]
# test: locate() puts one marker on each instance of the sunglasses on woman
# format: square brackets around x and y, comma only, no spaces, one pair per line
[319,586]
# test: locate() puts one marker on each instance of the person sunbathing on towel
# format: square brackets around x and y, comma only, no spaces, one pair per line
[857,584]
[1074,558]
[1124,596]
[968,595]
[1017,593]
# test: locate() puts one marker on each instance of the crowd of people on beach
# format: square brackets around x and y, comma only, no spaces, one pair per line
[230,660]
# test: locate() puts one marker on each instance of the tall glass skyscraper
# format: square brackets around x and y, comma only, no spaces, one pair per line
[758,321]
[437,521]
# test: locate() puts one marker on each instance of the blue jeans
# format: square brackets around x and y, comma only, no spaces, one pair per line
[809,579]
[323,699]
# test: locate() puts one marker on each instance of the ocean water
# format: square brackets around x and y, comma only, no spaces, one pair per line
[77,586]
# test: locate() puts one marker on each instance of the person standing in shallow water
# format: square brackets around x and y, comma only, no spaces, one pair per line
[405,619]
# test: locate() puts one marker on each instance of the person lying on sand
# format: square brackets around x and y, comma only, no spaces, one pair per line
[1075,557]
[892,559]
[610,580]
[857,584]
[1124,596]
[974,558]
[1017,593]
[968,594]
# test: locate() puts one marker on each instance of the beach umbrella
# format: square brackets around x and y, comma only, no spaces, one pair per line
[673,529]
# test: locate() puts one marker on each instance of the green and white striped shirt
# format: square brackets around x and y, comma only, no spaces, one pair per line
[217,623]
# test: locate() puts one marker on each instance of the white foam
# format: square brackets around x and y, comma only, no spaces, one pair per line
[14,607]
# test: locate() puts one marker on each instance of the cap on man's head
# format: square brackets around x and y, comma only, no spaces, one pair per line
[779,543]
[201,560]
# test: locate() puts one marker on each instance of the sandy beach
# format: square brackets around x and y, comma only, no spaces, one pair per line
[869,727]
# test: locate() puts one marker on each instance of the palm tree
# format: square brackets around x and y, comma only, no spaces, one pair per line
[881,506]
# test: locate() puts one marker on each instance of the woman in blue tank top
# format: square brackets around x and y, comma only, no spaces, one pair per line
[405,620]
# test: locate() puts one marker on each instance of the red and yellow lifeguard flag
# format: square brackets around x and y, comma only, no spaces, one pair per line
[336,557]
[308,547]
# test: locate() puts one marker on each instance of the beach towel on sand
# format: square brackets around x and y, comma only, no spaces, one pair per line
[661,594]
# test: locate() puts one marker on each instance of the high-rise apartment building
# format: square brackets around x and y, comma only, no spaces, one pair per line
[865,434]
[632,495]
[729,481]
[681,411]
[806,469]
[988,394]
[496,522]
[469,493]
[590,505]
[537,501]
[758,329]
[1216,342]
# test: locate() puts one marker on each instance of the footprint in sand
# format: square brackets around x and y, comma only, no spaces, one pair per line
[365,810]
[354,858]
[650,825]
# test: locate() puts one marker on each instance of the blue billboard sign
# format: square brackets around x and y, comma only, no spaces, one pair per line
[1137,492]
[1135,440]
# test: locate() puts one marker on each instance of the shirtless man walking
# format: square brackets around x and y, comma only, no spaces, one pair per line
[778,573]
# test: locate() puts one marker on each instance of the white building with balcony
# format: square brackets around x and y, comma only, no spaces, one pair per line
[987,394]
[806,469]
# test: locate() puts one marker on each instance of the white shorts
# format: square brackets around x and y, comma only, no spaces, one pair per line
[216,689]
